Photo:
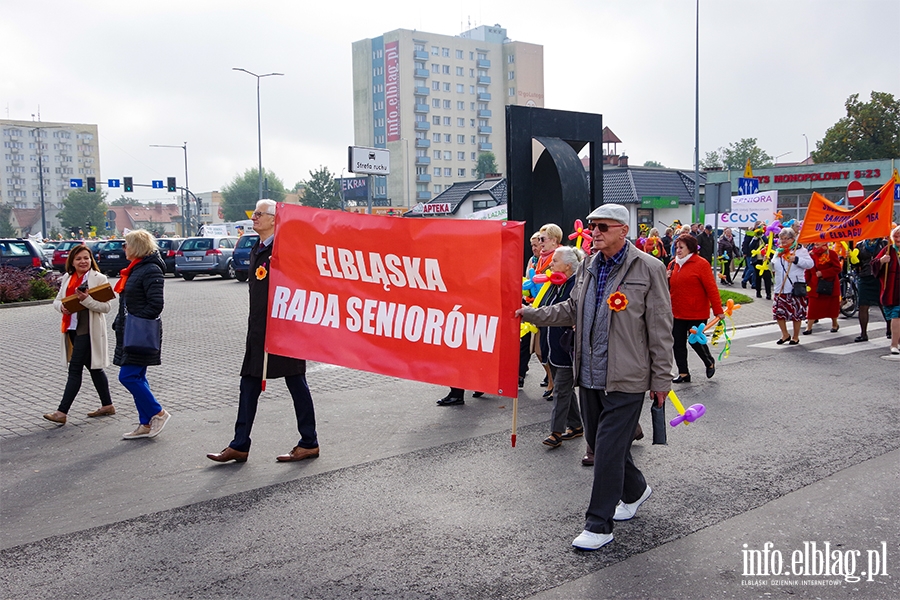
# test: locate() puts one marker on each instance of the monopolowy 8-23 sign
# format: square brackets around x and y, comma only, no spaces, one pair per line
[398,297]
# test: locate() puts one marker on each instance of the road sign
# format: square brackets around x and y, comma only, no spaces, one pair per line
[76,183]
[897,191]
[855,193]
[112,183]
[157,184]
[659,201]
[748,185]
[372,161]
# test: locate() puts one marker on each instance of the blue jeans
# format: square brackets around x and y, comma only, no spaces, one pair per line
[134,378]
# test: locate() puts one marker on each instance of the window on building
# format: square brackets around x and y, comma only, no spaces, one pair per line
[474,172]
[445,69]
[471,72]
[471,89]
[473,139]
[459,54]
[448,155]
[435,103]
[460,105]
[421,65]
[511,75]
[436,86]
[460,139]
[482,56]
[460,172]
[437,171]
[435,51]
[436,138]
[460,156]
[448,172]
[447,138]
[445,52]
[471,122]
[435,120]
[512,92]
[511,58]
[460,122]
[421,118]
[460,88]
[435,68]
[474,157]
[421,170]
[419,47]
[471,56]
[482,122]
[447,121]
[446,86]
[436,154]
[460,72]
[438,188]
[447,104]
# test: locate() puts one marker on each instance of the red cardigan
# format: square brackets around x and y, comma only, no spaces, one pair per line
[693,290]
[889,276]
[829,264]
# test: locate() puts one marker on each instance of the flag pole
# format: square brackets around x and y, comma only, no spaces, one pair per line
[265,369]
[515,415]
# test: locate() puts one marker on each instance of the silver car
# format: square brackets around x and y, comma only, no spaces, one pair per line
[205,255]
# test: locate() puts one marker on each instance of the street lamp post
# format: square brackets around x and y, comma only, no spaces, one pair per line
[185,208]
[696,215]
[780,155]
[807,147]
[258,119]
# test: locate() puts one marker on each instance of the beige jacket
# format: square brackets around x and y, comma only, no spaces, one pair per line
[96,312]
[640,354]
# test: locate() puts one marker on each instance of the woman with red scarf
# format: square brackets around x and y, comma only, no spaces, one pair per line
[887,264]
[83,333]
[826,268]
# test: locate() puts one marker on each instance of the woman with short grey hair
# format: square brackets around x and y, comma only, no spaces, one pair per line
[790,262]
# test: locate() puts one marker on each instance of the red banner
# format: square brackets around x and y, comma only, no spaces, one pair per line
[430,300]
[825,221]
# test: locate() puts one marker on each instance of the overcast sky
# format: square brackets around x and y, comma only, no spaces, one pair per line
[161,73]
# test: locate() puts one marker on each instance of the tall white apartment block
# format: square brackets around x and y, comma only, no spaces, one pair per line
[62,150]
[437,102]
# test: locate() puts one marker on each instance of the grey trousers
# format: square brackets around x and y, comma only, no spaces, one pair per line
[565,411]
[609,422]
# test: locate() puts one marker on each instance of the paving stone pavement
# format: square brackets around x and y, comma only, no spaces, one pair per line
[204,330]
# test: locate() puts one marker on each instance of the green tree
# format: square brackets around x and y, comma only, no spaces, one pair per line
[242,193]
[322,190]
[871,130]
[735,156]
[6,226]
[653,163]
[81,207]
[123,201]
[487,163]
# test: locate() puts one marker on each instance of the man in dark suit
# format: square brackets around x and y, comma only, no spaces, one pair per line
[293,370]
[706,241]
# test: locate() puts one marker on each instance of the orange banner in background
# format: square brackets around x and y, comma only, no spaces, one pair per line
[825,221]
[430,300]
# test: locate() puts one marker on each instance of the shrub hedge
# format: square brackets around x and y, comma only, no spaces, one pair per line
[22,285]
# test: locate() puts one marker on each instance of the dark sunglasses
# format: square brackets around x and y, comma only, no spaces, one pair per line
[603,227]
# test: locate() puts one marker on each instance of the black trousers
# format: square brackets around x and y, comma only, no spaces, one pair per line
[680,331]
[524,353]
[767,279]
[81,359]
[251,388]
[609,423]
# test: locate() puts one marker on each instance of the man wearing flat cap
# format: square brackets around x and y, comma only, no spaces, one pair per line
[622,315]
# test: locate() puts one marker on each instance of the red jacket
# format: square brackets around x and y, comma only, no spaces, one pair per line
[889,276]
[693,290]
[828,263]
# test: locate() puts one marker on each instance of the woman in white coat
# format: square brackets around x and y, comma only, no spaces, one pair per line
[84,342]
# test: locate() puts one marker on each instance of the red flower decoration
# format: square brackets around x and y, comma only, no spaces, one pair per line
[617,301]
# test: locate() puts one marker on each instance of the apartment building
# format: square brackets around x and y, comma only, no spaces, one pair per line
[437,102]
[54,152]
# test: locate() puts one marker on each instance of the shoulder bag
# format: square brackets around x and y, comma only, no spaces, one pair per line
[825,287]
[141,336]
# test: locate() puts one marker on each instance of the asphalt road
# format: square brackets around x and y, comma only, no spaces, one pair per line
[409,500]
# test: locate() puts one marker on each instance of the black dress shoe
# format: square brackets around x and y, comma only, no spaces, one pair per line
[710,371]
[758,295]
[861,338]
[521,382]
[450,401]
[807,332]
[477,394]
[782,341]
[682,379]
[548,395]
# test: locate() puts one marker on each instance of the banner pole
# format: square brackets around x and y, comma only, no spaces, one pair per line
[265,369]
[515,416]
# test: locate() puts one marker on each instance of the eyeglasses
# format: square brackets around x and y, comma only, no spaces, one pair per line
[603,227]
[256,214]
[542,239]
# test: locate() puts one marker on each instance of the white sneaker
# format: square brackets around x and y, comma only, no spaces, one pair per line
[141,432]
[157,422]
[624,512]
[588,540]
[895,350]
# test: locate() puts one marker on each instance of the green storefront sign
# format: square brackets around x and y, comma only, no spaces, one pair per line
[659,201]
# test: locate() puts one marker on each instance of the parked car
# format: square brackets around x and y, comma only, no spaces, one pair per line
[111,257]
[22,254]
[61,253]
[47,248]
[167,249]
[205,255]
[242,255]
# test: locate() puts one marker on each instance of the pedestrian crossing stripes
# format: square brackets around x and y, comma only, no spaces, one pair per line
[822,341]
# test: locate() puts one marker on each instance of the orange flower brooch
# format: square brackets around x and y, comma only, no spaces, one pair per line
[617,301]
[261,272]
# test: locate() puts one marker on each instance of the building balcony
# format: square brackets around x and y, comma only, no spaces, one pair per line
[422,161]
[423,195]
[485,129]
[421,91]
[422,126]
[420,55]
[483,63]
[484,97]
[483,80]
[483,114]
[420,143]
[421,73]
[485,146]
[421,108]
[423,178]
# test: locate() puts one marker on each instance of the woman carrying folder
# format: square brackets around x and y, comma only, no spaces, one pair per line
[84,340]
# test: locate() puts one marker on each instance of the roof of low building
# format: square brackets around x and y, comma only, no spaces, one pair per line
[628,185]
[458,192]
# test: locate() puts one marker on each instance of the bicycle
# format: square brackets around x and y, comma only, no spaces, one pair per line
[849,293]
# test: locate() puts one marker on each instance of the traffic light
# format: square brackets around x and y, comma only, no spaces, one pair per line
[91,184]
[129,184]
[170,184]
